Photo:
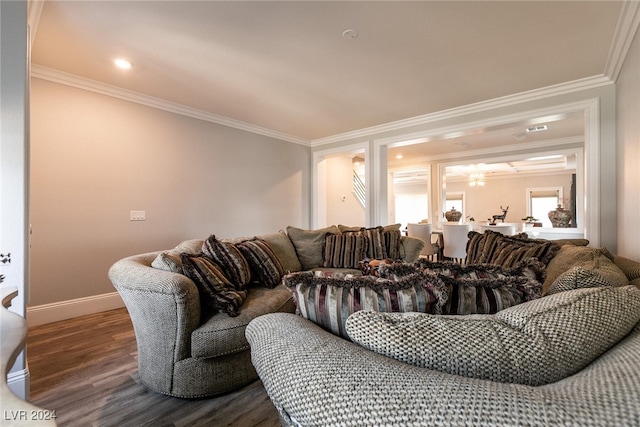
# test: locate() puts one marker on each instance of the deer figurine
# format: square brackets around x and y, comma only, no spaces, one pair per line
[502,217]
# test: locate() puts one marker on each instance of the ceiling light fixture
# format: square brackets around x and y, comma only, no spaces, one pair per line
[476,180]
[399,156]
[123,64]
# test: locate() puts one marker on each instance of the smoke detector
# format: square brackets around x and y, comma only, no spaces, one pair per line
[350,34]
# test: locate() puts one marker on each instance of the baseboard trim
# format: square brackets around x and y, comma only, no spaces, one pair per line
[62,310]
[18,383]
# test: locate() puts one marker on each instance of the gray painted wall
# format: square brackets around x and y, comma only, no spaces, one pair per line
[94,158]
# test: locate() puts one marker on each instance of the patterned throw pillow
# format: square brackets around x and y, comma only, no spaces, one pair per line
[282,247]
[480,288]
[536,343]
[390,240]
[215,289]
[328,299]
[266,269]
[488,296]
[227,256]
[392,244]
[491,247]
[344,250]
[375,243]
[530,268]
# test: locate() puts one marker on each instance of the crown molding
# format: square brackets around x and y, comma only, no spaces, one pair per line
[33,18]
[505,101]
[78,82]
[626,29]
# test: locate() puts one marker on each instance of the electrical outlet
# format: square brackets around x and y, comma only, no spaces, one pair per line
[138,215]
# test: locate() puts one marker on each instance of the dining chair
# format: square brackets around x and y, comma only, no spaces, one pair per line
[423,232]
[455,241]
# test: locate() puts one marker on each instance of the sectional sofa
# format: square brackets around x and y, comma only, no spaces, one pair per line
[569,356]
[190,305]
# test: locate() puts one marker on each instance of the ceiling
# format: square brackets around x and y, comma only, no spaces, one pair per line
[285,66]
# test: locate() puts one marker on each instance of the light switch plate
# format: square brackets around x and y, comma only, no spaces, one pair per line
[138,215]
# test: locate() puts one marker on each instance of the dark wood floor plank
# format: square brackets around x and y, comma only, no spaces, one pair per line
[86,370]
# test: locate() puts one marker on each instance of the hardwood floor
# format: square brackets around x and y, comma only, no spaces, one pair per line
[85,369]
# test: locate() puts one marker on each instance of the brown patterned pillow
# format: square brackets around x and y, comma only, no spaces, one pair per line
[530,268]
[392,243]
[216,291]
[479,288]
[488,296]
[344,250]
[492,247]
[230,259]
[328,299]
[375,243]
[266,269]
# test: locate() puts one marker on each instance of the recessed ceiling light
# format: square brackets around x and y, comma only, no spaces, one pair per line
[399,156]
[123,63]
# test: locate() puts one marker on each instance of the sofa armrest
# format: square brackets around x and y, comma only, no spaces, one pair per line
[317,379]
[164,309]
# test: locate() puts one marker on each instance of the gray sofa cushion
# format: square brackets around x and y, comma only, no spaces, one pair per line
[600,271]
[535,343]
[170,260]
[309,244]
[568,257]
[221,335]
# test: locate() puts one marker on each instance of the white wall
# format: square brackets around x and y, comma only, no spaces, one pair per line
[339,174]
[95,158]
[628,153]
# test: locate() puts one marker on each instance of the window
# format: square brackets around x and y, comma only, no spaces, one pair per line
[411,208]
[542,200]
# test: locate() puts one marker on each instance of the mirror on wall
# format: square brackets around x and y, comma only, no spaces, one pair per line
[524,188]
[522,167]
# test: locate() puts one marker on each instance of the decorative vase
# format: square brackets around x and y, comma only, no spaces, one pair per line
[453,215]
[560,218]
